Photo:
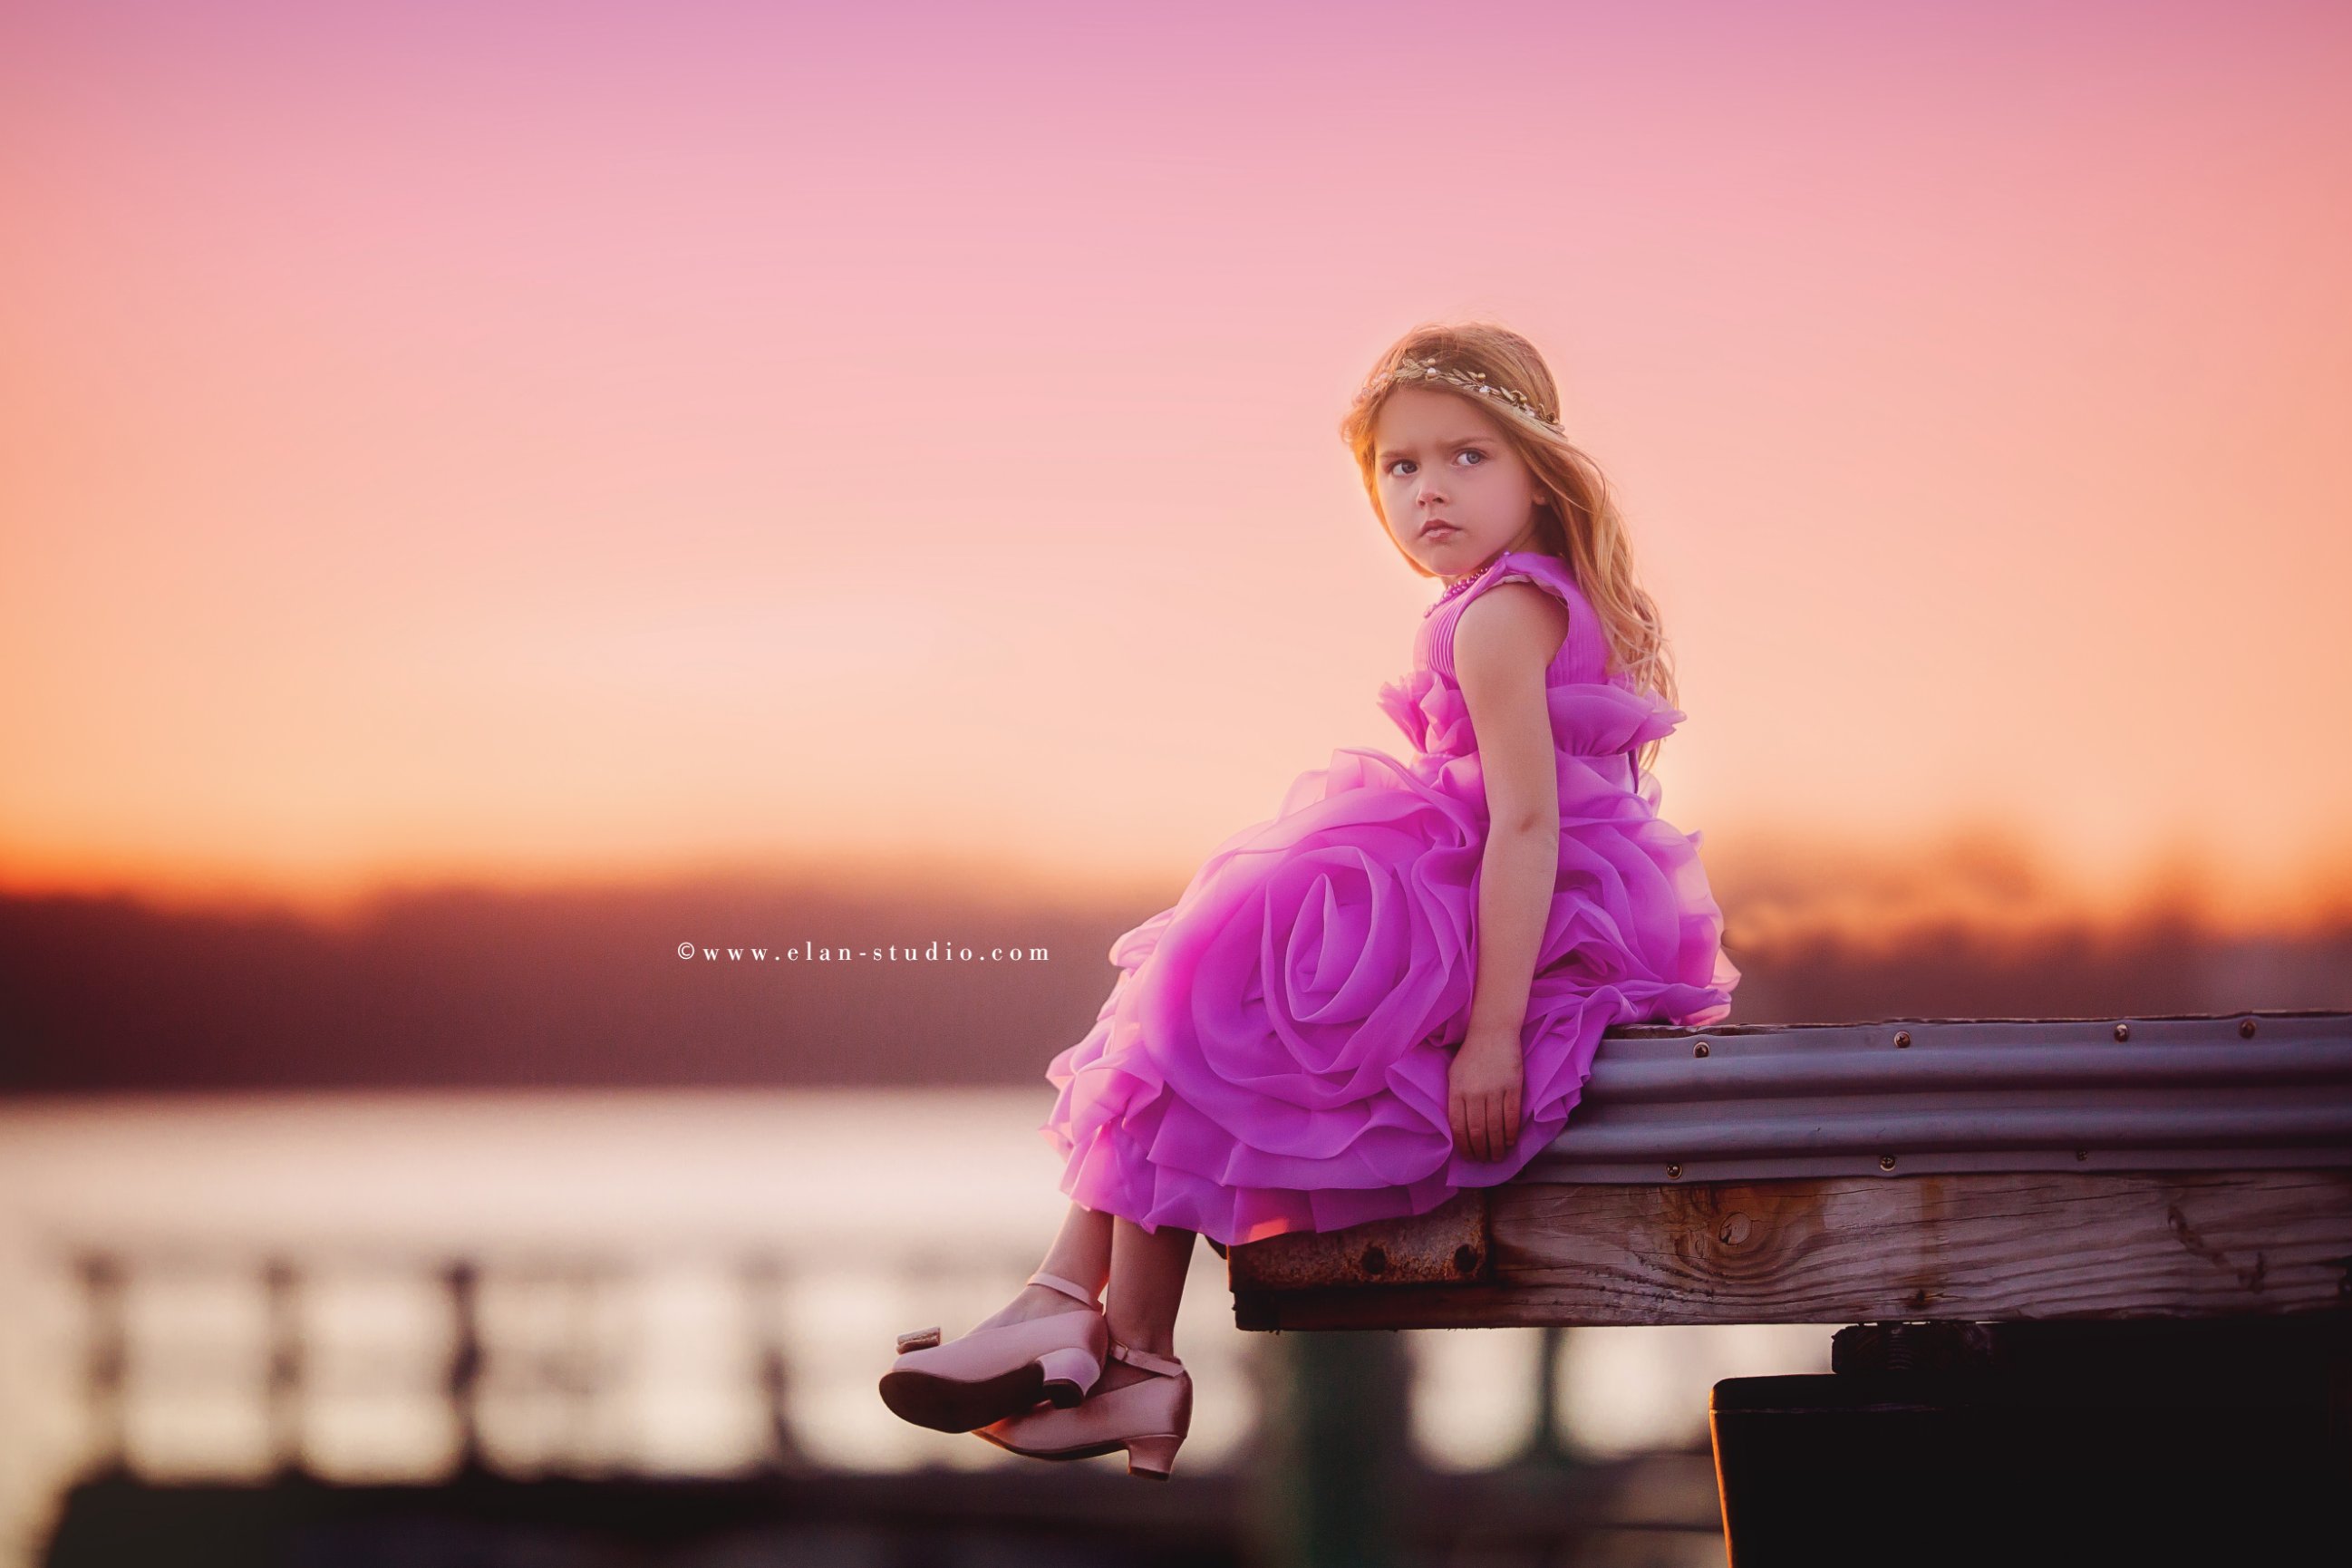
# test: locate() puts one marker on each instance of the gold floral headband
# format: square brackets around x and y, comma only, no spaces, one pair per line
[1471,381]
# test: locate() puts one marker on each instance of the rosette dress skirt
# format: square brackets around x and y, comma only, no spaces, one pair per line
[1272,1055]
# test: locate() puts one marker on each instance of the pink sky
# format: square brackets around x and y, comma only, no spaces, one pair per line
[570,442]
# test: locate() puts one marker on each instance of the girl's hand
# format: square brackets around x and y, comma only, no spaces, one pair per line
[1481,1095]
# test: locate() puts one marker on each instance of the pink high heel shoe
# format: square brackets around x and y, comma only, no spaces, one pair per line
[1148,1420]
[993,1373]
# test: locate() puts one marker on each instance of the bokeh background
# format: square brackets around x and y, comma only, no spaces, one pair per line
[496,492]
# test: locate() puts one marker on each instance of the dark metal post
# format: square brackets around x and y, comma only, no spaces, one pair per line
[463,1281]
[1545,1446]
[1335,1457]
[106,1356]
[284,1394]
[763,1279]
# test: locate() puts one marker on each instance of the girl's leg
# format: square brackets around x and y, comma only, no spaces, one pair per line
[1081,1254]
[1147,1286]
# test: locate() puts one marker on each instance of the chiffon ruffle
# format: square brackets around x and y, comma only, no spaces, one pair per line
[1272,1055]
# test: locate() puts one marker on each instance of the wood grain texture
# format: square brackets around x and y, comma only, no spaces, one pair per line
[1992,1246]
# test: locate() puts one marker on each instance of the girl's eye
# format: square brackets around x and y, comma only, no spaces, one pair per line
[1407,462]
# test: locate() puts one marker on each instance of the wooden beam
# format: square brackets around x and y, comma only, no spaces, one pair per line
[1987,1247]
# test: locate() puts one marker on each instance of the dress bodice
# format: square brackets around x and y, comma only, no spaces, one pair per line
[1583,654]
[1593,713]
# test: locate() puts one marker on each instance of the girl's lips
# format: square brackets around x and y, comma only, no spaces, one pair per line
[1432,530]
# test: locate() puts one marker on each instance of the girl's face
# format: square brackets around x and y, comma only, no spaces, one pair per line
[1452,489]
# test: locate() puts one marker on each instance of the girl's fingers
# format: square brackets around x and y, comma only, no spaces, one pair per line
[1486,1125]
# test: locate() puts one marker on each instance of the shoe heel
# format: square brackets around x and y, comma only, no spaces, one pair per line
[1069,1373]
[1152,1458]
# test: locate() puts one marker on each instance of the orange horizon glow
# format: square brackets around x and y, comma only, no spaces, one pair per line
[1862,894]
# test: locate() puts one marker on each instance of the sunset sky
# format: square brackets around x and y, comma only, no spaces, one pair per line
[563,442]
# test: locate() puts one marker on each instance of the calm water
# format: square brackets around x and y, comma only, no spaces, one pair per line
[614,1230]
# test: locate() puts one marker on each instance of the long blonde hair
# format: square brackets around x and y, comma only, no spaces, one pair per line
[1581,525]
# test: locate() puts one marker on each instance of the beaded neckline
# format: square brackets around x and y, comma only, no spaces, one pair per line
[1463,586]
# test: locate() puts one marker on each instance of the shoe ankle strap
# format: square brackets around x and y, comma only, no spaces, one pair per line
[1165,1365]
[1055,1282]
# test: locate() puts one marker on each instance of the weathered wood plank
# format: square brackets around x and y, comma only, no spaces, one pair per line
[1990,1247]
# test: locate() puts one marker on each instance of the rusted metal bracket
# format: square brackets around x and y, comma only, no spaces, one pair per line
[1449,1245]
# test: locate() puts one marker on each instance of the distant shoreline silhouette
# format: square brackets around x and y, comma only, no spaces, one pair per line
[487,988]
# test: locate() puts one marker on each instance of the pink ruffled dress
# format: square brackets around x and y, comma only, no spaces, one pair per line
[1273,1055]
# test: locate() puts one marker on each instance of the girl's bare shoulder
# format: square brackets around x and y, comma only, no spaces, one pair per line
[1511,625]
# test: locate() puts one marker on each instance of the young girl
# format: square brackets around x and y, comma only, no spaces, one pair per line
[1394,989]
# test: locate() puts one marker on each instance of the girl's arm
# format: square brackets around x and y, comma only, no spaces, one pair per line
[1501,647]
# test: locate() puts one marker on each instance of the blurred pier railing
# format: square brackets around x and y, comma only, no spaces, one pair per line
[563,1369]
[1325,1477]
